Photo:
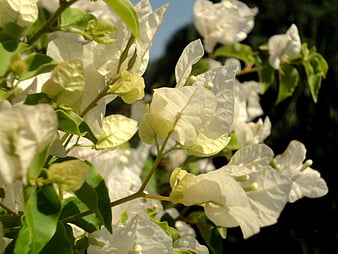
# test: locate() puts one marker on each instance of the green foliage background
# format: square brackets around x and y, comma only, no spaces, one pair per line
[309,226]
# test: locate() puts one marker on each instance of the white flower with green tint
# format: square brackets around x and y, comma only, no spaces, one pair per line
[139,235]
[225,22]
[306,182]
[225,201]
[284,46]
[25,130]
[24,12]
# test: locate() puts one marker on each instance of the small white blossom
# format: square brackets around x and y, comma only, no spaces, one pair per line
[140,235]
[306,181]
[225,22]
[24,13]
[284,46]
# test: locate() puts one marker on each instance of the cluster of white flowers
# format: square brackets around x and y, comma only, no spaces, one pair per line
[198,117]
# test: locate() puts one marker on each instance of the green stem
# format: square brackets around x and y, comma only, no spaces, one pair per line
[103,93]
[45,28]
[118,202]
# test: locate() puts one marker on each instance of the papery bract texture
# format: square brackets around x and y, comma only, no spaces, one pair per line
[306,182]
[191,54]
[225,201]
[116,130]
[22,12]
[140,235]
[225,22]
[130,87]
[25,130]
[284,46]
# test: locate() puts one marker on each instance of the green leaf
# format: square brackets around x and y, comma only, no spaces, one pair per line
[62,241]
[200,67]
[37,64]
[70,122]
[208,231]
[266,74]
[184,252]
[11,225]
[72,16]
[288,81]
[23,242]
[38,162]
[36,98]
[315,68]
[7,50]
[241,51]
[11,31]
[90,26]
[170,231]
[73,206]
[40,221]
[94,194]
[127,13]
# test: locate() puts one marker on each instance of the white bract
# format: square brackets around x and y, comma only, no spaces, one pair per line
[25,130]
[199,116]
[267,190]
[140,235]
[225,201]
[116,130]
[22,12]
[252,132]
[284,46]
[108,57]
[190,244]
[306,182]
[225,22]
[246,102]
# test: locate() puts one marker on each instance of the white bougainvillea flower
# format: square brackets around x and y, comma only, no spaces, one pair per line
[190,244]
[252,133]
[116,130]
[267,189]
[225,22]
[199,115]
[284,46]
[186,112]
[24,12]
[306,182]
[253,157]
[14,198]
[130,87]
[191,54]
[107,57]
[66,84]
[246,105]
[25,130]
[225,202]
[179,180]
[140,235]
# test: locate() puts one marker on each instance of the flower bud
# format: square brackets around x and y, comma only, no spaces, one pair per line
[209,85]
[18,66]
[251,187]
[306,164]
[242,178]
[130,87]
[190,80]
